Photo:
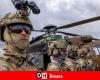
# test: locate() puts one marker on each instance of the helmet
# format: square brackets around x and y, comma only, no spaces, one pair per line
[58,41]
[56,47]
[86,38]
[10,18]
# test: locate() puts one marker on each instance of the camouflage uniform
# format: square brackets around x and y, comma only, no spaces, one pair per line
[15,58]
[57,52]
[54,67]
[85,59]
[85,55]
[71,65]
[71,60]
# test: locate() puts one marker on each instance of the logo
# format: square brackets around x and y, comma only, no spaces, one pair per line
[41,75]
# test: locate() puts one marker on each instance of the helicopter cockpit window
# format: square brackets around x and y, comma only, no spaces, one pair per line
[97,50]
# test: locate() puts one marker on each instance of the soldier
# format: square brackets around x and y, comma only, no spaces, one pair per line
[15,31]
[84,58]
[86,53]
[57,52]
[63,56]
[71,60]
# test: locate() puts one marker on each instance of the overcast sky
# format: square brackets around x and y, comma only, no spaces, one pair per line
[61,12]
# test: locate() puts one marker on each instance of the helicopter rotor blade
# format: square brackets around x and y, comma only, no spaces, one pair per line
[80,22]
[95,39]
[38,30]
[70,34]
[37,38]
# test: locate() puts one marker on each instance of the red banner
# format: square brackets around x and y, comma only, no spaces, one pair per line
[49,75]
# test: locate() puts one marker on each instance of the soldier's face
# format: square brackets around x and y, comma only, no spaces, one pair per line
[56,48]
[20,35]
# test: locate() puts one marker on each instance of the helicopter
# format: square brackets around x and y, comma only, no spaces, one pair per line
[51,30]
